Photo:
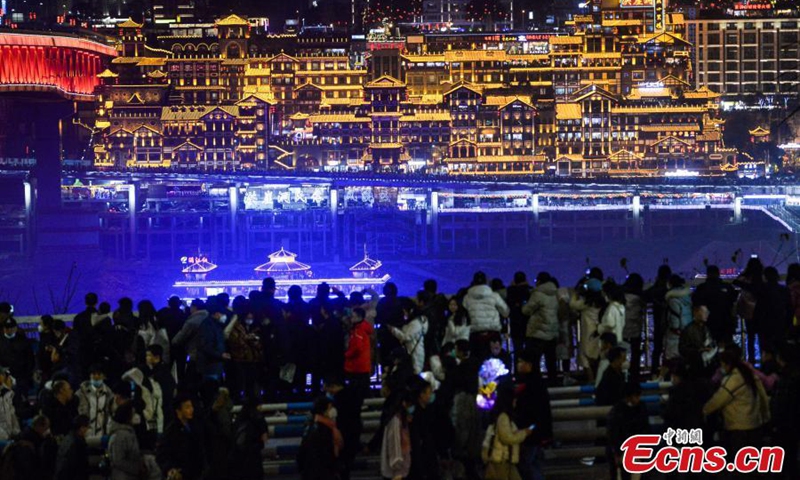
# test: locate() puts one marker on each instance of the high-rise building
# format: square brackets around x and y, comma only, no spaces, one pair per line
[740,57]
[442,14]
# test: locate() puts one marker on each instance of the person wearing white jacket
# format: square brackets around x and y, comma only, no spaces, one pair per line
[485,308]
[613,320]
[412,334]
[95,400]
[542,329]
[9,423]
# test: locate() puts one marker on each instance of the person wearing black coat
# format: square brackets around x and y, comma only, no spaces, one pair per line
[532,408]
[249,437]
[516,295]
[783,408]
[388,313]
[719,297]
[627,417]
[773,312]
[33,452]
[424,448]
[82,328]
[180,449]
[16,354]
[172,317]
[656,296]
[348,421]
[318,458]
[610,389]
[688,394]
[72,462]
[61,407]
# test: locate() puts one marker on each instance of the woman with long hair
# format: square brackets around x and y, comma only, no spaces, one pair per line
[742,400]
[501,451]
[412,333]
[150,332]
[322,444]
[457,323]
[396,445]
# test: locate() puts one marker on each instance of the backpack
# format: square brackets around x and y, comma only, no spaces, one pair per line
[7,467]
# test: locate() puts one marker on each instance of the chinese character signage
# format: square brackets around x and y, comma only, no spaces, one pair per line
[636,3]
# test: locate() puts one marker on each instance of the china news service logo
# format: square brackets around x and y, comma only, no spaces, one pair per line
[682,451]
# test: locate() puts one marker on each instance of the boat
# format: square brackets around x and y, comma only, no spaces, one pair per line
[286,270]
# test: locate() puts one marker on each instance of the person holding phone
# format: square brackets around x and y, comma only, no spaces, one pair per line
[532,409]
[503,453]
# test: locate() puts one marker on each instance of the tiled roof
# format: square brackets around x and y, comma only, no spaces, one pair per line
[568,111]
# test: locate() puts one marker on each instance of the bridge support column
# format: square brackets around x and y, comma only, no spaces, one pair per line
[637,216]
[737,209]
[434,208]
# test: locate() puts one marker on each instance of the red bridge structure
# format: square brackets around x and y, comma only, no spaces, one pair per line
[46,79]
[64,65]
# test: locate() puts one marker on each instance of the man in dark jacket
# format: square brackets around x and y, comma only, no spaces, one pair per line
[211,348]
[72,462]
[82,329]
[783,407]
[347,402]
[532,408]
[719,297]
[424,449]
[180,449]
[33,452]
[773,310]
[688,394]
[628,417]
[172,317]
[16,353]
[388,313]
[656,296]
[610,389]
[695,345]
[61,406]
[516,295]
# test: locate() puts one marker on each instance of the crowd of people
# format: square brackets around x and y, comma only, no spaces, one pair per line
[176,390]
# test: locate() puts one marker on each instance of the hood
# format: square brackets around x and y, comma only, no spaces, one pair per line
[679,292]
[135,375]
[480,291]
[548,288]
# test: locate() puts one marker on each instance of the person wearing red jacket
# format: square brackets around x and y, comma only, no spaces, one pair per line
[358,354]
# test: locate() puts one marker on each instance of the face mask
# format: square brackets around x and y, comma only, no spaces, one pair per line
[133,385]
[248,321]
[223,319]
[9,335]
[329,395]
[410,410]
[333,413]
[97,383]
[432,399]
